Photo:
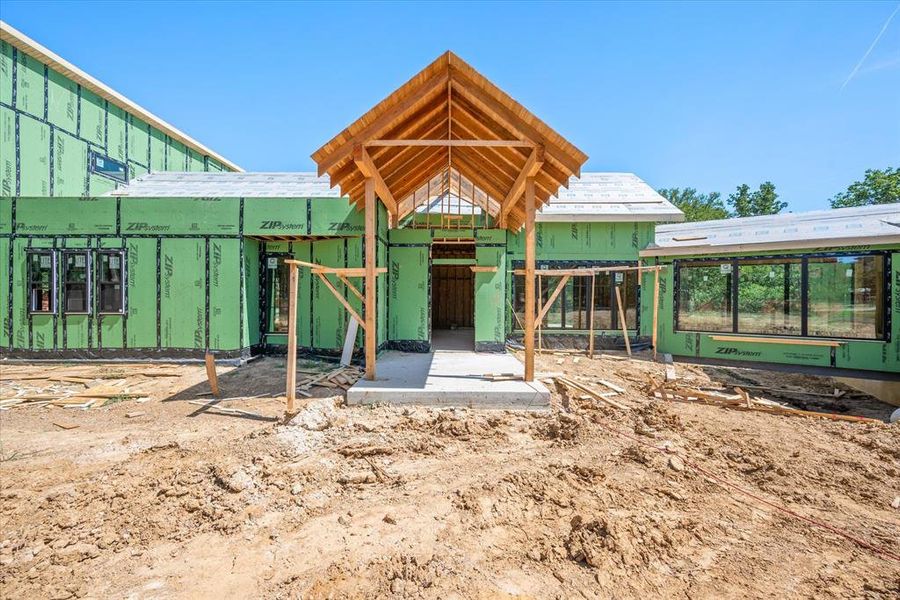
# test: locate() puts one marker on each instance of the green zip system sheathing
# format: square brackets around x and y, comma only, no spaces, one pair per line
[863,355]
[50,127]
[193,277]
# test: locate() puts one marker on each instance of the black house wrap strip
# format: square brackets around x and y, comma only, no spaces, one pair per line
[11,264]
[158,292]
[241,269]
[27,305]
[206,308]
[62,244]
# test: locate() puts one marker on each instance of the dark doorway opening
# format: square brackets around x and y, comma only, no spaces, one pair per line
[453,296]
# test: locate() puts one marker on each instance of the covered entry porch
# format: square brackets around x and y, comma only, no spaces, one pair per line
[446,124]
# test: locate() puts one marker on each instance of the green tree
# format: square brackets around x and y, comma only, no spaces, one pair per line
[877,187]
[696,206]
[763,201]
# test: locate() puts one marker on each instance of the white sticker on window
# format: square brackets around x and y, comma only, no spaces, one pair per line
[725,269]
[79,260]
[45,261]
[706,278]
[273,263]
[772,274]
[620,277]
[113,262]
[849,272]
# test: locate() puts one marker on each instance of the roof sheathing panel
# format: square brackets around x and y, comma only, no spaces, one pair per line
[840,227]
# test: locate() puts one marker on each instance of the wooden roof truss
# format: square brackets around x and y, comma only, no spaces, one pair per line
[449,122]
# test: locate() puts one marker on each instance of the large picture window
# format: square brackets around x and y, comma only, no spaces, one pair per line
[41,282]
[846,297]
[769,297]
[572,307]
[110,282]
[835,296]
[76,282]
[704,296]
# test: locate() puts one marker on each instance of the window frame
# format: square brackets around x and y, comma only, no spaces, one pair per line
[123,281]
[735,261]
[267,316]
[616,326]
[88,282]
[54,292]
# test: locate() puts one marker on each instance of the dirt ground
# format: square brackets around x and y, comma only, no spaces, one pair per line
[585,500]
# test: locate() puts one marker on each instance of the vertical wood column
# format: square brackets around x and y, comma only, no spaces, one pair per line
[371,285]
[656,306]
[529,278]
[291,391]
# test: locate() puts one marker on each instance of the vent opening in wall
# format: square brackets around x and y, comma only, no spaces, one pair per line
[108,167]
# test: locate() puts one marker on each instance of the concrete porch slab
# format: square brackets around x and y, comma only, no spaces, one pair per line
[449,378]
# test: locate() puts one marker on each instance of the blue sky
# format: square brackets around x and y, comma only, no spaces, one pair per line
[700,94]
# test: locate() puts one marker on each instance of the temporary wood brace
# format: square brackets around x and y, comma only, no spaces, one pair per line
[777,340]
[476,269]
[622,320]
[592,272]
[343,274]
[588,271]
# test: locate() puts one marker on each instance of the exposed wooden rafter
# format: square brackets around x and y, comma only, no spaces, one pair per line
[448,117]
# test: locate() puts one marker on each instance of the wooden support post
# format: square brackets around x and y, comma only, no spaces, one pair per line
[540,307]
[655,308]
[211,374]
[622,320]
[371,283]
[291,392]
[529,278]
[591,321]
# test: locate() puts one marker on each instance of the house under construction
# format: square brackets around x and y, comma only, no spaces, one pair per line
[447,215]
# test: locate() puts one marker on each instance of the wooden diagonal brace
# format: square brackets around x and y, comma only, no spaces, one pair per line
[367,167]
[532,165]
[351,287]
[342,300]
[551,299]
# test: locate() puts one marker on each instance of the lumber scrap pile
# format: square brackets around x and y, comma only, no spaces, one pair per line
[76,387]
[584,391]
[340,378]
[740,399]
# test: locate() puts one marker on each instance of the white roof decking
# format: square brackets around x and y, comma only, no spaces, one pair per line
[840,227]
[594,197]
[228,185]
[609,197]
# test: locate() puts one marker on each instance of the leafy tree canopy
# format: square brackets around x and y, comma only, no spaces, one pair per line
[763,201]
[877,187]
[696,206]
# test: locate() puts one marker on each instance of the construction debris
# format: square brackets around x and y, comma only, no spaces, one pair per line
[740,400]
[340,378]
